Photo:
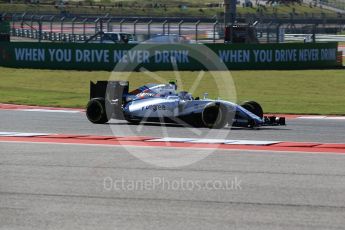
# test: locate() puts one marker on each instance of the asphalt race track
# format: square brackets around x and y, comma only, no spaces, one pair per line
[64,186]
[331,131]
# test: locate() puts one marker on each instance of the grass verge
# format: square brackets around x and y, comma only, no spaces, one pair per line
[299,91]
[144,8]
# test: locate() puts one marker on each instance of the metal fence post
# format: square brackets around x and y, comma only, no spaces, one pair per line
[108,25]
[51,23]
[40,29]
[73,20]
[84,27]
[214,31]
[32,21]
[135,27]
[62,20]
[268,32]
[96,22]
[179,27]
[196,30]
[164,23]
[277,33]
[22,22]
[121,22]
[149,28]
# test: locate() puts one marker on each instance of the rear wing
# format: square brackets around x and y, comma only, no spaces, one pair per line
[109,90]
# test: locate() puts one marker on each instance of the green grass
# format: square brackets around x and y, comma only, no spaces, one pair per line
[307,91]
[335,3]
[196,8]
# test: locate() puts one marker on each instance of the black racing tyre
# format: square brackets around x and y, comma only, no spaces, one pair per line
[254,107]
[96,111]
[251,123]
[133,121]
[214,116]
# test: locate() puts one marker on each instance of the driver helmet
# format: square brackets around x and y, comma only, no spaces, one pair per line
[185,95]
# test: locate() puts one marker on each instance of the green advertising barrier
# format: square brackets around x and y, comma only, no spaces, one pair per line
[4,27]
[127,57]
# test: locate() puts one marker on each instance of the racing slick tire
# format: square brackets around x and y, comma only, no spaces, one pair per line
[96,111]
[214,116]
[133,121]
[254,107]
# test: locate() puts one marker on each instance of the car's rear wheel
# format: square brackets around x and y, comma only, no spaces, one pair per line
[254,107]
[96,111]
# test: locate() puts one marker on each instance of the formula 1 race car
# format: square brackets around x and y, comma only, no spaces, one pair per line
[162,103]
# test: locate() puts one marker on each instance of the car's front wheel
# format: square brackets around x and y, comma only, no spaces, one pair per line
[254,107]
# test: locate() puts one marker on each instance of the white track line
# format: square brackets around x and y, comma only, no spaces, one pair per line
[19,134]
[322,118]
[172,139]
[166,139]
[49,110]
[214,141]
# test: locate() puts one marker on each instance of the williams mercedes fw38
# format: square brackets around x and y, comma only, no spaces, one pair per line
[163,103]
